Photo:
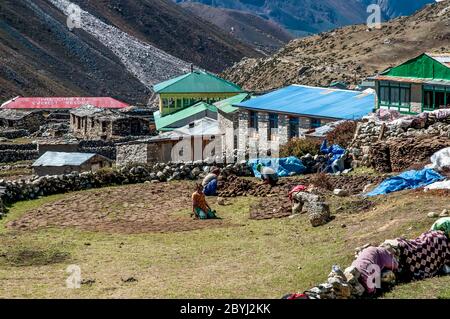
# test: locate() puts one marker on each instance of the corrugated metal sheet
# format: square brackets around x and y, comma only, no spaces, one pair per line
[196,82]
[62,103]
[314,102]
[226,105]
[62,159]
[202,127]
[167,120]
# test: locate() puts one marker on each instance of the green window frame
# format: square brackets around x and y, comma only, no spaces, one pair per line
[394,95]
[431,96]
[315,123]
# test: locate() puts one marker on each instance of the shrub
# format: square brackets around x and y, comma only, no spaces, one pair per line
[322,180]
[342,134]
[299,147]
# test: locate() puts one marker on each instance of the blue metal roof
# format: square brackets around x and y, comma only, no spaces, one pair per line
[62,159]
[314,101]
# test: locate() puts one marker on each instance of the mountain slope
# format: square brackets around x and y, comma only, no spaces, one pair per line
[249,28]
[348,54]
[40,57]
[311,16]
[172,29]
[108,56]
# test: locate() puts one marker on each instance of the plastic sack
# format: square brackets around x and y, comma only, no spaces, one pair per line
[440,159]
[438,185]
[407,180]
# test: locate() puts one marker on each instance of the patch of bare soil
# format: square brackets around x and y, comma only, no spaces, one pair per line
[133,209]
[271,207]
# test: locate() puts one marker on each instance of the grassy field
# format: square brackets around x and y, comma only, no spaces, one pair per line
[249,259]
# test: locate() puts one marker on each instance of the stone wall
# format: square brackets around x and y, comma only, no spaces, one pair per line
[10,153]
[373,132]
[13,134]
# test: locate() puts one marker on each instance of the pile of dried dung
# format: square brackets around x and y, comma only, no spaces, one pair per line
[354,184]
[271,207]
[396,155]
[234,186]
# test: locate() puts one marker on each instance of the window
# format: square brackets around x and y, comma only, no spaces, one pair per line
[384,95]
[253,123]
[397,95]
[315,123]
[165,103]
[436,97]
[294,124]
[171,103]
[273,125]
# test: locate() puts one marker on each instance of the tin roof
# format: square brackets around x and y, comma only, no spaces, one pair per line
[63,159]
[196,82]
[202,127]
[167,120]
[62,103]
[226,105]
[314,102]
[443,58]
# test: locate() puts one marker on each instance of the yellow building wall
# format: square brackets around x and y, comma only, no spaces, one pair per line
[196,97]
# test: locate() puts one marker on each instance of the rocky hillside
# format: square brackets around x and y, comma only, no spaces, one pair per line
[347,54]
[263,34]
[122,48]
[303,17]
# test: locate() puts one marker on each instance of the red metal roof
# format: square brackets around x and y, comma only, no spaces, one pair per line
[62,103]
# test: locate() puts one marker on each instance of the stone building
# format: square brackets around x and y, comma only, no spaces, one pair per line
[89,122]
[58,163]
[21,120]
[264,123]
[197,141]
[418,85]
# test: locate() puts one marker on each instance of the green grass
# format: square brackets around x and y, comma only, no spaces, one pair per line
[251,259]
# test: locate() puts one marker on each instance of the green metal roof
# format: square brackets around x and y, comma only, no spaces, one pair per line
[425,66]
[197,82]
[164,122]
[227,104]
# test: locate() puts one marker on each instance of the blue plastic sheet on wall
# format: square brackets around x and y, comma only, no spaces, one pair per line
[407,180]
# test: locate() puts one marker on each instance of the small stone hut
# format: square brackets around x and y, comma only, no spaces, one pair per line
[57,163]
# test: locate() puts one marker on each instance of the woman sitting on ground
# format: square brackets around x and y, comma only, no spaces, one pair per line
[200,207]
[210,182]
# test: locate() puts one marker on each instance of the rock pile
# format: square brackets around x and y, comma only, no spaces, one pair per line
[340,285]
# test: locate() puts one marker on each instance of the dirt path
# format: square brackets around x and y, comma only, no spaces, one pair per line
[132,209]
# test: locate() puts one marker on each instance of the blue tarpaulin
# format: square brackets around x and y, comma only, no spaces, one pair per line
[334,149]
[283,166]
[407,180]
